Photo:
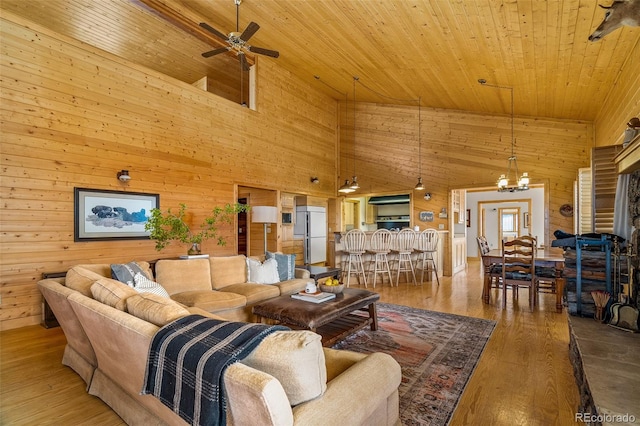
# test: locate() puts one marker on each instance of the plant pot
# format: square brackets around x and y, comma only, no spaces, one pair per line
[195,249]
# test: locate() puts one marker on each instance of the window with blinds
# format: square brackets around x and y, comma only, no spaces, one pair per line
[604,180]
[584,194]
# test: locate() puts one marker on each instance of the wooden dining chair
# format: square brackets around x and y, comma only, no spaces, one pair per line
[493,269]
[402,249]
[518,268]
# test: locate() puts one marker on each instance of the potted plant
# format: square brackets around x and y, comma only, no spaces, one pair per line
[169,226]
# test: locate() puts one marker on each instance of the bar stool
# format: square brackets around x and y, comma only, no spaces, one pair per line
[379,248]
[403,249]
[354,247]
[427,247]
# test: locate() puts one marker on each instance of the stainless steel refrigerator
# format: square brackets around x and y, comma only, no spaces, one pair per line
[311,226]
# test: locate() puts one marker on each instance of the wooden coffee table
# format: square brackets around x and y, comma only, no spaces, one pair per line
[333,319]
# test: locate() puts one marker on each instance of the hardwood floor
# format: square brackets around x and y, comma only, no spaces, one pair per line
[523,378]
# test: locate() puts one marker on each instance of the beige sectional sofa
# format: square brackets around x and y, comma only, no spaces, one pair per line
[288,379]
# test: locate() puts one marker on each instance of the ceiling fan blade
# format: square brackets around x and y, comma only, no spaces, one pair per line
[215,52]
[213,30]
[249,31]
[243,61]
[263,51]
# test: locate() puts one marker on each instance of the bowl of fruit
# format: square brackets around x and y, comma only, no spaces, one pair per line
[332,285]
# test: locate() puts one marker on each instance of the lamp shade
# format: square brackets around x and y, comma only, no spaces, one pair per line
[264,214]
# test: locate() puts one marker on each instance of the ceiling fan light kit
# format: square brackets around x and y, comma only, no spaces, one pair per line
[237,41]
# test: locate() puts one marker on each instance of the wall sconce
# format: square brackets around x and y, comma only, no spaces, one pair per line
[315,180]
[123,176]
[427,196]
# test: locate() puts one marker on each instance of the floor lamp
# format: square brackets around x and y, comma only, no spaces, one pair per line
[264,215]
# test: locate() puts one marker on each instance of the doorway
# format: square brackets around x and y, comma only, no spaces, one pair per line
[242,229]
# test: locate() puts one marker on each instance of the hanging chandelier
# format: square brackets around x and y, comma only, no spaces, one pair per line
[522,182]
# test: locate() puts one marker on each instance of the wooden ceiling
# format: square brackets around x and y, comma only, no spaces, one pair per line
[399,49]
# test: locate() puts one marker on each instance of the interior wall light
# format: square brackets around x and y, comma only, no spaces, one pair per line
[503,181]
[123,176]
[315,180]
[264,215]
[419,186]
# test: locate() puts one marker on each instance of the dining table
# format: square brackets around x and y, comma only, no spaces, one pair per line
[545,257]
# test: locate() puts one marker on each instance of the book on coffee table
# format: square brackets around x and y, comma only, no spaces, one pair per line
[317,297]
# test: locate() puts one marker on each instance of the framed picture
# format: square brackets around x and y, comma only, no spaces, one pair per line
[426,216]
[112,215]
[525,219]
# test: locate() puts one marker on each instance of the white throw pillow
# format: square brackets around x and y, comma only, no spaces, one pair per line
[145,285]
[262,273]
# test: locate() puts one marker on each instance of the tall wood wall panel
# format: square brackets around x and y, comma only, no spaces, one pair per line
[622,103]
[73,115]
[460,150]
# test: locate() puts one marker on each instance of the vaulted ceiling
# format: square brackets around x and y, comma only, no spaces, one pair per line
[399,49]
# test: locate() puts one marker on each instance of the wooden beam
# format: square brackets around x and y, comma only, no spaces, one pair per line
[187,24]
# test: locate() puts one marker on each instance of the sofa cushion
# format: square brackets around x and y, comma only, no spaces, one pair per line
[227,270]
[81,279]
[124,272]
[286,265]
[177,276]
[112,293]
[253,292]
[296,359]
[262,273]
[210,300]
[155,309]
[142,284]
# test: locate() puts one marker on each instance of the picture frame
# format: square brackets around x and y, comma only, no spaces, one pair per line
[525,219]
[101,215]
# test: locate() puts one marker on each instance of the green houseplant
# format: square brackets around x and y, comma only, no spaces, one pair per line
[169,226]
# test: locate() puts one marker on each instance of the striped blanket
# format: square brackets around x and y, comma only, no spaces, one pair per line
[187,359]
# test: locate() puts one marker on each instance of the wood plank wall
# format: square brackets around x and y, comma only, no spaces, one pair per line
[73,115]
[461,150]
[623,103]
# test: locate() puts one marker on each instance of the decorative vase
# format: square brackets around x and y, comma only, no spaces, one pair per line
[195,249]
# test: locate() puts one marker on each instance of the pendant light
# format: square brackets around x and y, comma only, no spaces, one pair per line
[354,182]
[346,188]
[419,186]
[522,183]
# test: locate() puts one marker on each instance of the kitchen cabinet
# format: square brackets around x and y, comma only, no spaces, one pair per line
[459,254]
[459,206]
[370,213]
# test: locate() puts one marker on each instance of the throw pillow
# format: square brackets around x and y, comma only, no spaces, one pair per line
[286,265]
[296,359]
[112,293]
[145,285]
[124,272]
[155,309]
[262,273]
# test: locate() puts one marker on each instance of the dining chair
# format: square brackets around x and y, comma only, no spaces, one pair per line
[354,247]
[379,248]
[427,248]
[493,269]
[402,249]
[518,268]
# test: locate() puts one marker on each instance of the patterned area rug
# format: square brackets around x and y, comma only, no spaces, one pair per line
[437,352]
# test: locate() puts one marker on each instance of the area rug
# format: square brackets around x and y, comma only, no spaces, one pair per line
[437,352]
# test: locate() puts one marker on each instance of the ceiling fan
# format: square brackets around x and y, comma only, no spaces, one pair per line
[238,41]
